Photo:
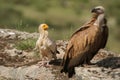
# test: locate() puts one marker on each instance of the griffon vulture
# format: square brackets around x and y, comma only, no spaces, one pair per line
[86,41]
[45,45]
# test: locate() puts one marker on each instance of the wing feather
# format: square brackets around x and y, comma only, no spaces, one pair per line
[80,29]
[104,34]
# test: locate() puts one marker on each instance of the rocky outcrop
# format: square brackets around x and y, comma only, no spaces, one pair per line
[14,34]
[21,65]
[107,67]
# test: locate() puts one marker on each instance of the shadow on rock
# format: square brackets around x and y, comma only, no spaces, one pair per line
[109,62]
[56,62]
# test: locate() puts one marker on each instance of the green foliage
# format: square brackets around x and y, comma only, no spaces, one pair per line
[28,44]
[9,19]
[63,16]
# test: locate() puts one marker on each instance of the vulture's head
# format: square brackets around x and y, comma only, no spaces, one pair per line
[98,10]
[43,27]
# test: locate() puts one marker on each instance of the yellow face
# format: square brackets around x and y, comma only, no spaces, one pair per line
[45,27]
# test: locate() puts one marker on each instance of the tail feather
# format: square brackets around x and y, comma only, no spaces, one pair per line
[65,66]
[66,62]
[67,69]
[71,72]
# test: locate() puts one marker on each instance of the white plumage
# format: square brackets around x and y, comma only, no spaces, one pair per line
[45,45]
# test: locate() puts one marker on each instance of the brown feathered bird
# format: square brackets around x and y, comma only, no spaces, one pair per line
[86,41]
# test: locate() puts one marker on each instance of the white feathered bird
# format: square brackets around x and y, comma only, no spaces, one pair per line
[45,45]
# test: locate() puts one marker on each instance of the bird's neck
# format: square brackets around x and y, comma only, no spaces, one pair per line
[93,19]
[99,20]
[43,34]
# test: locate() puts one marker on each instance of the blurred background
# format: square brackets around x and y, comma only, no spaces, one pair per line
[63,17]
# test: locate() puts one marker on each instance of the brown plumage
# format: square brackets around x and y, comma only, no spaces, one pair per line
[86,42]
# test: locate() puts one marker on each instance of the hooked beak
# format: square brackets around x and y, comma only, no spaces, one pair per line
[45,27]
[93,10]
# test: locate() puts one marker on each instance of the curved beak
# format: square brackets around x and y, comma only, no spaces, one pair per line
[45,27]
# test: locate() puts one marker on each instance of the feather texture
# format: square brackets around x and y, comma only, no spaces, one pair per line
[45,45]
[85,42]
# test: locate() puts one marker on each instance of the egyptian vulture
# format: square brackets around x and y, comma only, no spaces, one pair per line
[86,41]
[45,45]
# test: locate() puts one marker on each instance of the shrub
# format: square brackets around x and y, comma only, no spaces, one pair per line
[28,44]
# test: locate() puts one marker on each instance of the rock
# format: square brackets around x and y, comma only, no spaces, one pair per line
[107,62]
[6,34]
[98,73]
[61,47]
[27,73]
[13,52]
[14,34]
